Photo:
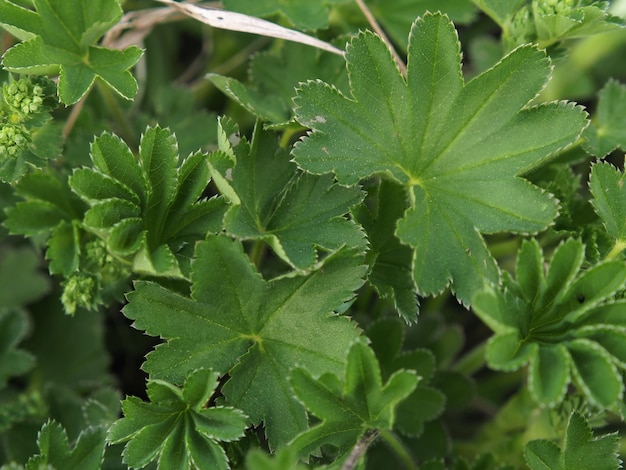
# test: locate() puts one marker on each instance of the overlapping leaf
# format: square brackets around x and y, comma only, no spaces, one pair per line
[55,450]
[148,210]
[273,77]
[351,407]
[426,402]
[272,201]
[458,148]
[564,323]
[389,259]
[176,428]
[607,131]
[609,201]
[581,451]
[252,329]
[13,361]
[60,37]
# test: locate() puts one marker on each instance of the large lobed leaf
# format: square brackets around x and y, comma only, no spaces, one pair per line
[564,323]
[295,213]
[609,201]
[607,131]
[457,147]
[176,427]
[252,329]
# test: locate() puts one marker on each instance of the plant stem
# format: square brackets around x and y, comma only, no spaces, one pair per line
[74,113]
[257,253]
[125,128]
[359,449]
[374,24]
[399,449]
[472,361]
[619,246]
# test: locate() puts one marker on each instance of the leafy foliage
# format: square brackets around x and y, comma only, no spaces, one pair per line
[606,132]
[252,329]
[272,202]
[60,36]
[580,450]
[561,322]
[176,427]
[147,211]
[416,131]
[359,404]
[289,285]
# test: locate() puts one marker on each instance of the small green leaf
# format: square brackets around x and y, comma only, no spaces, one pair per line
[148,209]
[21,281]
[176,427]
[609,201]
[581,451]
[607,131]
[362,404]
[252,329]
[13,361]
[55,450]
[450,143]
[61,39]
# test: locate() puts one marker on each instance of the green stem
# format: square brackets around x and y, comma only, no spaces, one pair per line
[619,246]
[399,449]
[257,253]
[472,361]
[125,128]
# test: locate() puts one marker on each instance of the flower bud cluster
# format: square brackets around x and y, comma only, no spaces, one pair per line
[25,96]
[79,290]
[13,139]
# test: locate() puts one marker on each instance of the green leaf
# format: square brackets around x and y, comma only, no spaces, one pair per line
[559,320]
[274,76]
[609,201]
[176,427]
[390,260]
[13,361]
[62,37]
[303,14]
[581,450]
[607,131]
[348,410]
[449,143]
[294,213]
[21,281]
[148,209]
[252,329]
[55,450]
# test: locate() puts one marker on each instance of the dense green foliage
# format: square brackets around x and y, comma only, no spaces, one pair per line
[228,250]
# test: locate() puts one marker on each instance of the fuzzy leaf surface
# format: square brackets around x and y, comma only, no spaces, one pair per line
[607,131]
[563,322]
[61,37]
[350,407]
[148,210]
[175,427]
[296,213]
[580,451]
[255,330]
[457,147]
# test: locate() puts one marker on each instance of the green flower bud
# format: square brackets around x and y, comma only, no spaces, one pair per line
[80,290]
[13,139]
[27,95]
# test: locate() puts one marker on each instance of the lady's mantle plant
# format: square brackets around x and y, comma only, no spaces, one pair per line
[293,289]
